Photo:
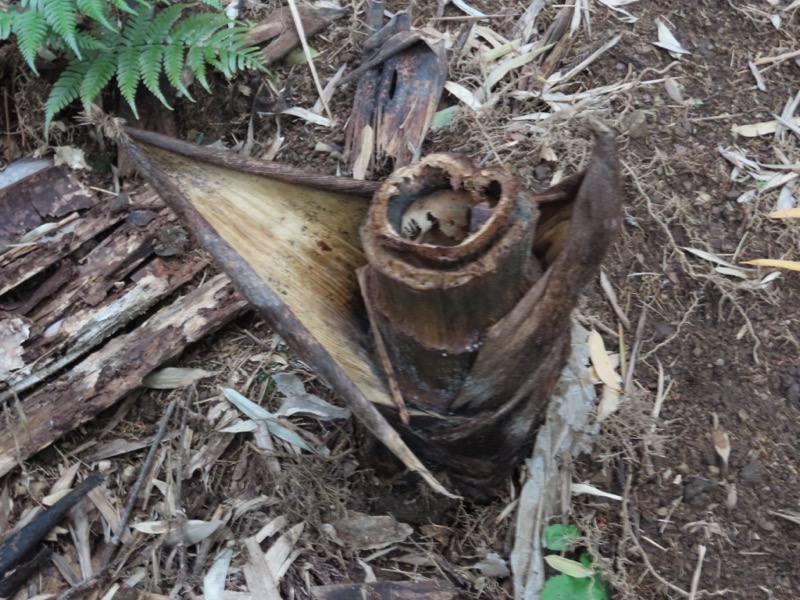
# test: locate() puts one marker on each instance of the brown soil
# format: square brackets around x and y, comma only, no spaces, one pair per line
[726,346]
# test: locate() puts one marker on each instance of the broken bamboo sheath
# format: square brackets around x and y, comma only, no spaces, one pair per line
[244,164]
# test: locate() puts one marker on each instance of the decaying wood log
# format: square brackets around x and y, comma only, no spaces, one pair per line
[90,269]
[470,283]
[118,367]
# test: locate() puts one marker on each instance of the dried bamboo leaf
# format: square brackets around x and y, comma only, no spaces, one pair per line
[171,378]
[601,363]
[668,41]
[792,265]
[569,567]
[787,213]
[762,128]
[214,579]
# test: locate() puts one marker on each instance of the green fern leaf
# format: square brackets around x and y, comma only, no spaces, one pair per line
[213,3]
[160,26]
[37,5]
[251,58]
[97,10]
[6,19]
[173,67]
[125,7]
[65,90]
[63,18]
[101,70]
[195,59]
[30,27]
[150,69]
[196,28]
[128,76]
[212,58]
[89,42]
[135,31]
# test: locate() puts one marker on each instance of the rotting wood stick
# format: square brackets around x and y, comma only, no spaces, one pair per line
[20,544]
[134,493]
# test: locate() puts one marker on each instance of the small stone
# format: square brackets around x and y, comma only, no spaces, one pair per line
[752,472]
[120,204]
[172,241]
[766,524]
[696,487]
[636,124]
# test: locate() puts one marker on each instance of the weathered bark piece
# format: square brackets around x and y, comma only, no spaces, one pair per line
[482,360]
[108,374]
[290,241]
[387,590]
[279,27]
[50,193]
[401,81]
[21,263]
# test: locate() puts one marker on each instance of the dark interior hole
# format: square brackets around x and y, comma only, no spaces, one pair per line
[393,85]
[492,193]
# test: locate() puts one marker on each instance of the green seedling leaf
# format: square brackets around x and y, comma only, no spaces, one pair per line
[298,56]
[564,587]
[561,538]
[569,567]
[444,117]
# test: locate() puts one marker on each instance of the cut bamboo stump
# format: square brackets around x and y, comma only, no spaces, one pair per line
[470,283]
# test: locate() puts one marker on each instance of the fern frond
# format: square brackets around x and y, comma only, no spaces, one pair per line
[212,3]
[195,59]
[160,26]
[135,30]
[198,27]
[63,19]
[150,68]
[96,10]
[101,70]
[30,27]
[65,90]
[125,7]
[89,42]
[128,76]
[173,67]
[211,56]
[6,19]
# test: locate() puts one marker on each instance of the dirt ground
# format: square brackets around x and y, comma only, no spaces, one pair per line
[727,341]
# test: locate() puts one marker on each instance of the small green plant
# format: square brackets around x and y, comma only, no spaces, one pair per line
[577,579]
[134,41]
